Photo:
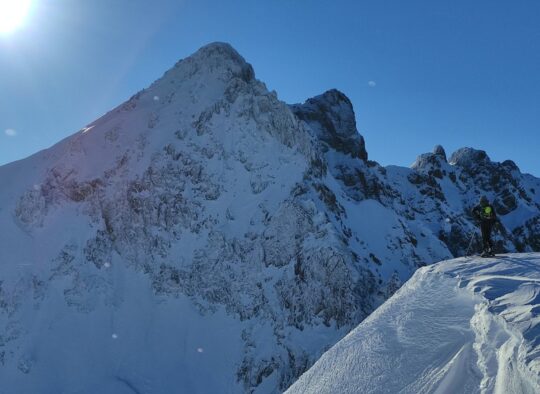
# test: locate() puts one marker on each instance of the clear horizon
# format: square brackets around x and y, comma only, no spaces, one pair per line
[418,74]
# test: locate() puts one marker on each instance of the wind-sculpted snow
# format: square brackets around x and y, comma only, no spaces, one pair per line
[254,230]
[467,325]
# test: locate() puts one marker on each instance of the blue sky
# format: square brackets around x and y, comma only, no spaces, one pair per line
[419,73]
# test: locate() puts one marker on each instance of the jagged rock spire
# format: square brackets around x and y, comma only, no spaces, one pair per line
[438,150]
[334,121]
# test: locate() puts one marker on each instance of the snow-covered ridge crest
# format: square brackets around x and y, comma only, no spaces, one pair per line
[460,326]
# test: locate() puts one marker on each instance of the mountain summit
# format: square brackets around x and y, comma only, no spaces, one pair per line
[205,236]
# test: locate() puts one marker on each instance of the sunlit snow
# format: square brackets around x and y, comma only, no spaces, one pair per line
[461,326]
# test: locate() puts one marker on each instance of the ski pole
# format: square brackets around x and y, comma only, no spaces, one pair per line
[473,237]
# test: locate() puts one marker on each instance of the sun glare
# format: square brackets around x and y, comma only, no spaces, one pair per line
[13,14]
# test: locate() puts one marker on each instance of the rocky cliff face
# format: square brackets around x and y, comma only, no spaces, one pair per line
[208,228]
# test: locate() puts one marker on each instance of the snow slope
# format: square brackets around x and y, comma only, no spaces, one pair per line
[467,325]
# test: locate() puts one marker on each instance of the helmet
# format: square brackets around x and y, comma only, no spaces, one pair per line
[484,200]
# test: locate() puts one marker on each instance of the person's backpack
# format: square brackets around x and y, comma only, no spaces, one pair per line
[487,212]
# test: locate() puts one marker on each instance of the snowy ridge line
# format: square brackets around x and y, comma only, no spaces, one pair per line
[507,327]
[460,326]
[505,323]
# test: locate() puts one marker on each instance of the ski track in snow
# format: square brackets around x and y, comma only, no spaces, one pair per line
[461,326]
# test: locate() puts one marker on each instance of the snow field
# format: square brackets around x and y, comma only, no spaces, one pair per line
[460,326]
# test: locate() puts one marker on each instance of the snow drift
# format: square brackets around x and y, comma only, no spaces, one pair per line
[467,325]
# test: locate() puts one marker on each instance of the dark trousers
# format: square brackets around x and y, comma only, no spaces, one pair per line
[486,228]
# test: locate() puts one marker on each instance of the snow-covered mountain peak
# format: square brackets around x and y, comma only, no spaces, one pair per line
[217,58]
[439,151]
[469,157]
[210,95]
[214,73]
[431,161]
[331,117]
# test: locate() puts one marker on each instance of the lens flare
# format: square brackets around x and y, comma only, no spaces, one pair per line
[12,14]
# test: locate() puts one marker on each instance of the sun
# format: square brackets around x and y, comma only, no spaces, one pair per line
[13,14]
